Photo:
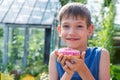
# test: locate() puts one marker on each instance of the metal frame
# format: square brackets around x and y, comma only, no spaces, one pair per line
[26,39]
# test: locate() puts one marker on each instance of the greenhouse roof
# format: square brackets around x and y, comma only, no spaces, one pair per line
[28,11]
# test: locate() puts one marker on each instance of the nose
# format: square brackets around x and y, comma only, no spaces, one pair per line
[72,31]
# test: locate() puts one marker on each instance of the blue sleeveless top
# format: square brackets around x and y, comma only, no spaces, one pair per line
[92,60]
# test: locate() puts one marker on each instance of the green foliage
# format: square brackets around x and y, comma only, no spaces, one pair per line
[16,45]
[108,30]
[6,76]
[1,45]
[82,1]
[1,32]
[35,65]
[36,68]
[44,76]
[36,46]
[8,67]
[63,2]
[103,36]
[107,2]
[115,72]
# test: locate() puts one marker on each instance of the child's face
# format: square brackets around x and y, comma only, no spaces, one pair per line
[74,32]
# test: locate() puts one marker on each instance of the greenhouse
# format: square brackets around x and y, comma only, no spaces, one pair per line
[28,35]
[28,14]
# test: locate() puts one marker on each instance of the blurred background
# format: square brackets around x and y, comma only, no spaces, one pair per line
[28,35]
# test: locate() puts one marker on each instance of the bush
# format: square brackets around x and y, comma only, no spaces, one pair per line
[115,72]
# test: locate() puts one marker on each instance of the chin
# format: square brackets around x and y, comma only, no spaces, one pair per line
[73,47]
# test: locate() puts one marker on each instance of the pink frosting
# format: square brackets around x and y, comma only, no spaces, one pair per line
[69,51]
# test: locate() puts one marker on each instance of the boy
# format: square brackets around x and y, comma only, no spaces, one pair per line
[74,28]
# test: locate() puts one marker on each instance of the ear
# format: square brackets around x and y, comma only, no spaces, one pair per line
[90,30]
[59,30]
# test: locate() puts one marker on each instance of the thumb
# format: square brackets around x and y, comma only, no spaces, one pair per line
[83,55]
[56,53]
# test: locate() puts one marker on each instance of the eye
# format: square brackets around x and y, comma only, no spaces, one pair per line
[79,26]
[65,26]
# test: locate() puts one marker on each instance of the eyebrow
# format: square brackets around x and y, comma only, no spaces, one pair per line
[66,22]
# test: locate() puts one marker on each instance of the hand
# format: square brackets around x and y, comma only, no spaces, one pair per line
[69,66]
[62,59]
[78,63]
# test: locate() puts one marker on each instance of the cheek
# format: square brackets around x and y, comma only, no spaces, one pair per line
[63,33]
[83,35]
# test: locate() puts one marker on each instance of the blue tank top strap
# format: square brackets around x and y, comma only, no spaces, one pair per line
[92,60]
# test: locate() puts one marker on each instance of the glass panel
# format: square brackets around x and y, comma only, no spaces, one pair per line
[48,18]
[15,47]
[9,17]
[28,11]
[1,42]
[40,6]
[2,13]
[36,16]
[24,15]
[37,13]
[36,45]
[13,12]
[4,7]
[50,12]
[43,0]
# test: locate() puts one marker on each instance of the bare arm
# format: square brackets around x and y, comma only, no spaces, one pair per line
[104,70]
[68,73]
[85,73]
[66,76]
[80,67]
[53,75]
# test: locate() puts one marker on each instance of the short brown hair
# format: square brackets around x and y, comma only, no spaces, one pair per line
[75,9]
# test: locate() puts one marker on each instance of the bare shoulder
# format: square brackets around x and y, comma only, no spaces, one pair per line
[105,52]
[105,57]
[104,69]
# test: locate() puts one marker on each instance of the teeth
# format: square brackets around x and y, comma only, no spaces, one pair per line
[72,39]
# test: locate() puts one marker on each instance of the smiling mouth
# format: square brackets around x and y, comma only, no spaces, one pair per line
[72,39]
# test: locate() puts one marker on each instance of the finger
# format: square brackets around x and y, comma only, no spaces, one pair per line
[59,58]
[66,69]
[63,60]
[83,55]
[56,52]
[68,64]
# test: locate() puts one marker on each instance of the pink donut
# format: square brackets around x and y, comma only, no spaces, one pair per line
[69,52]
